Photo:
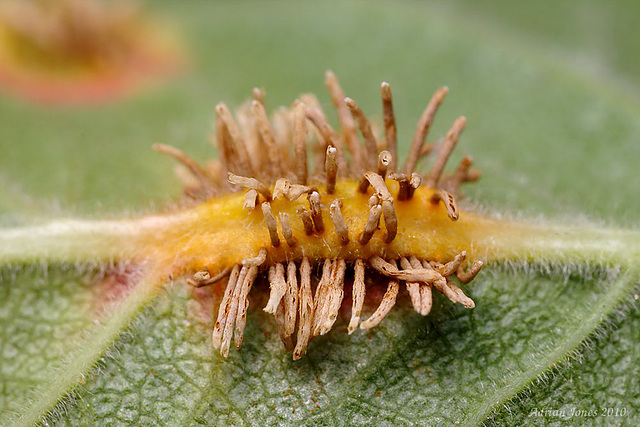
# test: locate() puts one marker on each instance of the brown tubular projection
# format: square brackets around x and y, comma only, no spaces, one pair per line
[303,304]
[390,130]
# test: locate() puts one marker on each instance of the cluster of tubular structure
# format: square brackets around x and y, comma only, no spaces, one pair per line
[304,305]
[73,29]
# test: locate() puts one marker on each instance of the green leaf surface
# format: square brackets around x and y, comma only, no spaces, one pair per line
[552,105]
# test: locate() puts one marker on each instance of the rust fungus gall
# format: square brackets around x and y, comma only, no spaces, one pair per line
[81,51]
[303,205]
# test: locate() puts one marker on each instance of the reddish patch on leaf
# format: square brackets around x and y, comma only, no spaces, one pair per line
[205,298]
[113,286]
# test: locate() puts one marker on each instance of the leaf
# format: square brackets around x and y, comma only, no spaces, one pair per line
[552,139]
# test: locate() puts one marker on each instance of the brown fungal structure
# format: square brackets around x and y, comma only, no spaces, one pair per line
[332,207]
